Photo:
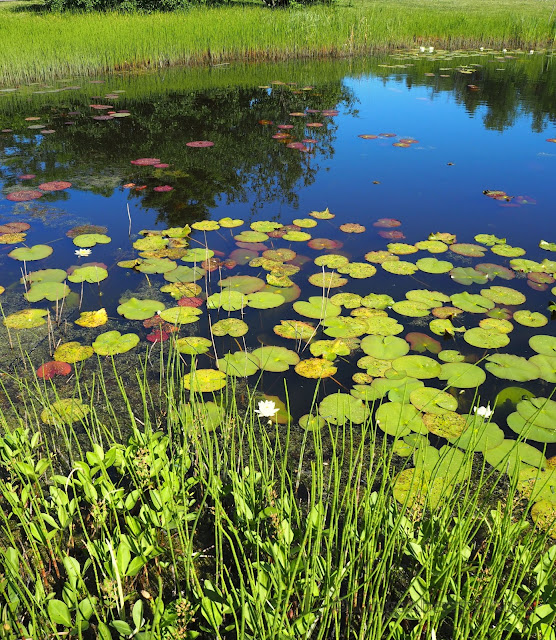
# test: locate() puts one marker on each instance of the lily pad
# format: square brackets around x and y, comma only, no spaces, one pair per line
[240,364]
[384,347]
[432,246]
[489,240]
[401,248]
[543,514]
[47,291]
[317,307]
[65,411]
[495,270]
[156,265]
[327,280]
[486,338]
[433,265]
[243,284]
[278,359]
[135,309]
[315,368]
[545,345]
[420,367]
[510,367]
[427,297]
[92,318]
[400,267]
[92,274]
[468,276]
[432,400]
[509,456]
[450,355]
[342,408]
[150,243]
[181,315]
[185,274]
[90,240]
[28,254]
[264,300]
[330,349]
[204,380]
[473,303]
[377,301]
[311,423]
[322,215]
[379,257]
[206,225]
[342,327]
[528,430]
[503,295]
[180,290]
[358,270]
[479,435]
[507,251]
[113,342]
[446,423]
[230,327]
[347,300]
[26,319]
[421,342]
[46,275]
[530,318]
[72,352]
[546,366]
[468,250]
[294,330]
[227,299]
[415,488]
[193,345]
[398,419]
[375,367]
[411,308]
[462,375]
[251,237]
[444,327]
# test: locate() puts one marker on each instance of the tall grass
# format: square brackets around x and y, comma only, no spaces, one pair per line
[245,530]
[37,46]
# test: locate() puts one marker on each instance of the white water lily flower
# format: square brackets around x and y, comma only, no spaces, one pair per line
[422,49]
[484,412]
[82,252]
[267,409]
[431,49]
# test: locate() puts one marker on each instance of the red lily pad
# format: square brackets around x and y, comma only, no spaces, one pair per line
[101,107]
[163,189]
[352,227]
[14,227]
[200,144]
[50,369]
[309,141]
[386,135]
[266,122]
[102,118]
[551,139]
[190,302]
[86,228]
[330,112]
[324,243]
[57,185]
[314,125]
[24,195]
[391,235]
[158,336]
[253,246]
[161,165]
[26,176]
[282,136]
[492,270]
[299,146]
[367,136]
[541,278]
[387,223]
[409,140]
[145,162]
[284,126]
[421,342]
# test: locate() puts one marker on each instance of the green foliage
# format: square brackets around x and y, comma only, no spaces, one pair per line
[121,5]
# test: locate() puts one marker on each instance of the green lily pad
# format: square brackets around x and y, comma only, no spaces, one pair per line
[433,400]
[507,251]
[251,236]
[420,367]
[525,266]
[509,456]
[330,349]
[46,275]
[479,435]
[547,246]
[444,327]
[311,423]
[421,342]
[379,256]
[377,301]
[197,254]
[497,324]
[177,232]
[181,290]
[400,267]
[331,260]
[401,248]
[230,327]
[294,330]
[358,270]
[240,364]
[473,303]
[181,315]
[427,297]
[206,225]
[510,367]
[347,300]
[398,419]
[47,291]
[375,367]
[264,300]
[315,368]
[72,352]
[209,414]
[411,308]
[135,309]
[486,338]
[495,270]
[535,484]
[545,345]
[64,411]
[204,380]
[227,299]
[327,280]
[538,411]
[432,246]
[468,275]
[450,355]
[242,284]
[528,430]
[341,408]
[27,254]
[91,239]
[289,293]
[322,215]
[150,243]
[415,488]
[193,345]
[489,240]
[156,265]
[91,274]
[384,347]
[543,514]
[26,319]
[512,396]
[446,423]
[297,236]
[468,250]
[433,265]
[185,274]
[503,295]
[546,366]
[113,342]
[383,326]
[400,389]
[317,307]
[462,375]
[530,318]
[265,226]
[345,327]
[272,358]
[305,223]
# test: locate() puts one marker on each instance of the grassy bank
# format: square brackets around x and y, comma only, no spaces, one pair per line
[141,512]
[38,46]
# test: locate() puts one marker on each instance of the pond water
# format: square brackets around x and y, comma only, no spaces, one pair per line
[397,148]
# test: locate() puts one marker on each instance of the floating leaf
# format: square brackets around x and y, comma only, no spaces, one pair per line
[47,291]
[450,355]
[64,412]
[272,358]
[530,318]
[375,367]
[468,250]
[92,274]
[27,254]
[90,240]
[358,270]
[415,487]
[181,315]
[433,400]
[398,419]
[486,338]
[50,369]
[185,274]
[510,367]
[264,300]
[479,435]
[468,276]
[383,326]
[444,327]
[473,303]
[508,456]
[204,380]
[322,215]
[433,265]
[411,308]
[462,375]
[135,309]
[113,342]
[384,347]
[503,295]
[545,345]
[241,364]
[315,368]
[156,265]
[193,345]
[327,280]
[251,237]
[495,270]
[150,243]
[330,349]
[341,408]
[400,267]
[432,246]
[507,251]
[401,248]
[243,284]
[342,327]
[445,423]
[230,327]
[180,290]
[347,300]
[294,330]
[421,342]
[352,227]
[72,352]
[317,307]
[227,299]
[377,301]
[311,423]
[546,366]
[26,319]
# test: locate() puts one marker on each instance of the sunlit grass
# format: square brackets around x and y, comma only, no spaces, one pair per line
[35,45]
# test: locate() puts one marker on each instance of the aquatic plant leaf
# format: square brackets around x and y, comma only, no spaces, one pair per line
[511,396]
[180,290]
[377,301]
[383,326]
[156,265]
[178,232]
[528,430]
[427,297]
[46,275]
[265,226]
[398,419]
[411,308]
[448,238]
[185,274]
[47,291]
[135,309]
[197,255]
[112,343]
[473,303]
[251,237]
[445,423]
[495,270]
[64,412]
[342,327]
[486,338]
[525,266]
[432,246]
[227,299]
[327,280]
[330,349]
[420,367]
[450,355]
[12,238]
[503,295]
[534,484]
[433,265]
[384,347]
[72,352]
[240,364]
[27,254]
[352,227]
[545,345]
[400,267]
[264,300]
[497,324]
[150,243]
[322,215]
[530,318]
[243,284]
[358,270]
[478,434]
[331,260]
[294,330]
[401,248]
[342,408]
[462,375]
[50,369]
[204,380]
[205,225]
[510,367]
[546,366]
[507,251]
[432,400]
[90,240]
[26,319]
[379,257]
[277,359]
[468,250]
[347,300]
[193,345]
[85,228]
[305,223]
[375,367]
[421,342]
[230,223]
[414,487]
[310,422]
[468,276]
[444,327]
[509,456]
[230,327]
[91,274]
[489,239]
[315,368]
[543,514]
[317,307]
[181,315]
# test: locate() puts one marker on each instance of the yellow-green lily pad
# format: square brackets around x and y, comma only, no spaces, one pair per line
[72,352]
[240,364]
[64,412]
[204,380]
[27,254]
[26,319]
[135,309]
[113,342]
[315,368]
[273,358]
[193,345]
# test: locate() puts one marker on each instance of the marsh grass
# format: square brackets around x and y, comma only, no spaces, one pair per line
[38,46]
[141,520]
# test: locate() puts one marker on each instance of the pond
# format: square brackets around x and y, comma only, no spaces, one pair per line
[379,230]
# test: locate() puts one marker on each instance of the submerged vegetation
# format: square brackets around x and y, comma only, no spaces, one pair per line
[35,45]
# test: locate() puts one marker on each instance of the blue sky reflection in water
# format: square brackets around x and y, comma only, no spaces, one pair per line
[478,129]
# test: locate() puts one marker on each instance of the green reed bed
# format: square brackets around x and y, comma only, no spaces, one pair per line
[39,46]
[157,515]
